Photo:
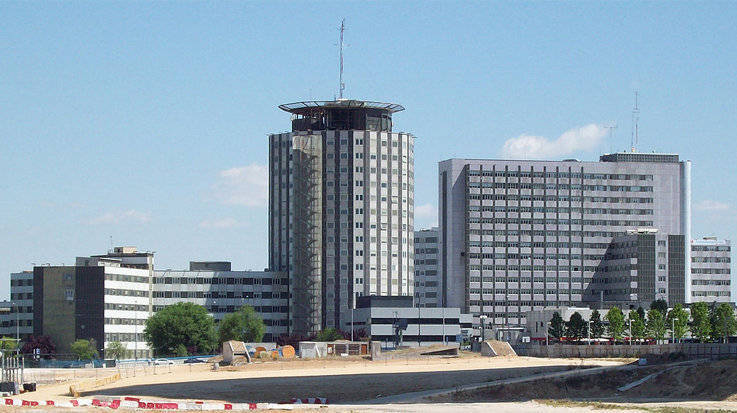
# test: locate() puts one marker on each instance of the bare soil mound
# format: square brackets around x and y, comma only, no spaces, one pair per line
[707,381]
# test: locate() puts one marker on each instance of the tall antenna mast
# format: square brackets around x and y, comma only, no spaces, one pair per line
[341,85]
[611,126]
[634,140]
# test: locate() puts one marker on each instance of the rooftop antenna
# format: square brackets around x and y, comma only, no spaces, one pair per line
[111,244]
[634,140]
[611,126]
[341,85]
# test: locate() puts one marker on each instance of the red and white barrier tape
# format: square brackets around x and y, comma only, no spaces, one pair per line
[136,403]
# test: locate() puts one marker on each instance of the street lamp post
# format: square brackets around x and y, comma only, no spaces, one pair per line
[482,319]
[631,336]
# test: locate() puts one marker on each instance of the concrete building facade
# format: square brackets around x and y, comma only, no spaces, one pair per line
[428,287]
[711,278]
[224,292]
[341,200]
[517,236]
[16,319]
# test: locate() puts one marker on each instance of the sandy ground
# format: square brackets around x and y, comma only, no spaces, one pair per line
[341,381]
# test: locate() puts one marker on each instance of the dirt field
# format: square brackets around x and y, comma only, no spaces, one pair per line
[341,381]
[704,382]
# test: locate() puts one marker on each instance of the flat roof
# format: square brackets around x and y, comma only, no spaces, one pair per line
[310,105]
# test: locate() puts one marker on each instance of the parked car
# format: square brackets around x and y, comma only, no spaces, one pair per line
[193,360]
[162,362]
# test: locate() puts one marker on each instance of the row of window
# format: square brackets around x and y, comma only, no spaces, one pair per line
[599,222]
[552,268]
[561,187]
[710,294]
[710,282]
[221,281]
[559,198]
[710,248]
[710,271]
[21,282]
[560,278]
[539,174]
[127,278]
[216,294]
[711,259]
[511,291]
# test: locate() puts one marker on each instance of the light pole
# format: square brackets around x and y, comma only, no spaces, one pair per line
[547,334]
[588,333]
[631,336]
[482,319]
[673,331]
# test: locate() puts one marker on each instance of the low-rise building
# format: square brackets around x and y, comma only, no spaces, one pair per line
[711,278]
[420,326]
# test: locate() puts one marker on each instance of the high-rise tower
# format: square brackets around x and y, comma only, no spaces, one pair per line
[341,206]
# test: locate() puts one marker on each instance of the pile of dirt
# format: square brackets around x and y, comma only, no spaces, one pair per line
[497,348]
[705,381]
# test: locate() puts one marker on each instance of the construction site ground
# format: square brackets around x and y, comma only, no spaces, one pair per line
[354,384]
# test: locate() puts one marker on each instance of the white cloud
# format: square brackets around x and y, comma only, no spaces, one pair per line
[711,205]
[426,215]
[219,223]
[584,138]
[246,185]
[118,217]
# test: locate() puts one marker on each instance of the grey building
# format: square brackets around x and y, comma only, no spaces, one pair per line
[642,266]
[379,316]
[428,288]
[711,261]
[16,317]
[341,202]
[224,292]
[517,236]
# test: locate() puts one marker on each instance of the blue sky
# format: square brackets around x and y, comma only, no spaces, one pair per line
[147,122]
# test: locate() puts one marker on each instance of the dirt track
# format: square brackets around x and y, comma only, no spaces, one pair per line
[342,381]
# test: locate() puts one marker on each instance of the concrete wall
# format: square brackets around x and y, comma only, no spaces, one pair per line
[692,350]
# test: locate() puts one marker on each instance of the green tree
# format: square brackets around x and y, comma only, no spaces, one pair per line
[656,324]
[187,324]
[576,327]
[85,349]
[637,324]
[723,323]
[557,326]
[677,321]
[597,326]
[641,313]
[243,325]
[8,344]
[329,334]
[616,322]
[115,350]
[660,305]
[700,324]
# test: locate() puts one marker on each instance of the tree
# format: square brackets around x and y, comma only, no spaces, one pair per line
[85,349]
[597,326]
[616,322]
[700,324]
[656,324]
[660,305]
[677,321]
[576,327]
[43,344]
[723,323]
[329,334]
[8,344]
[243,325]
[557,326]
[637,325]
[641,313]
[115,350]
[187,324]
